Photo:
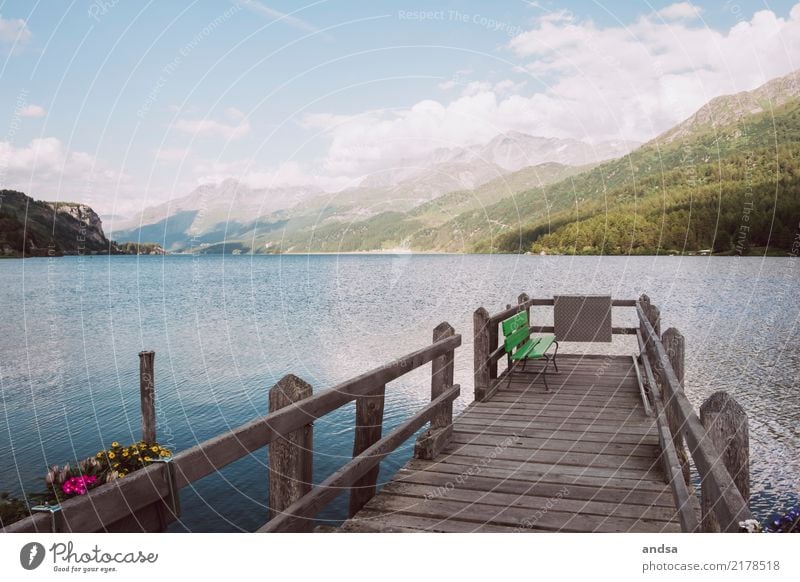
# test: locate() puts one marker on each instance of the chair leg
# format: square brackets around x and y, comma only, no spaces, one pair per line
[554,357]
[508,372]
[544,373]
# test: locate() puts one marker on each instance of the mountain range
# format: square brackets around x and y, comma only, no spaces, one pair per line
[233,212]
[726,179]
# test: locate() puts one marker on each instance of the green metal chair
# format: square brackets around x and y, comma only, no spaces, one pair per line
[521,347]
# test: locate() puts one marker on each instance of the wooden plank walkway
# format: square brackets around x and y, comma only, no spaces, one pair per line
[582,458]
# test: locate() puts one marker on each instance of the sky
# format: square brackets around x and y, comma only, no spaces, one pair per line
[123,105]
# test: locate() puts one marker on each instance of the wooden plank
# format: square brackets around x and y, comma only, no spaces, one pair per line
[309,505]
[210,456]
[369,425]
[522,518]
[369,521]
[291,457]
[682,498]
[645,402]
[556,424]
[574,412]
[430,443]
[605,472]
[538,474]
[674,344]
[36,523]
[726,423]
[566,505]
[541,399]
[481,350]
[107,504]
[576,459]
[556,443]
[441,481]
[544,434]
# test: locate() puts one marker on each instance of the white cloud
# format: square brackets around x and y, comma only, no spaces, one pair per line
[641,79]
[598,82]
[680,11]
[236,129]
[33,111]
[47,170]
[250,173]
[171,154]
[14,31]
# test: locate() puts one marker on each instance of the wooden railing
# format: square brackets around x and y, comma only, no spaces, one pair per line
[717,439]
[489,350]
[148,499]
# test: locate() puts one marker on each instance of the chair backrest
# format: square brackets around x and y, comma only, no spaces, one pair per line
[582,318]
[515,330]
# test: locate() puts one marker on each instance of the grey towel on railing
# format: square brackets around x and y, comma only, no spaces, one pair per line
[582,318]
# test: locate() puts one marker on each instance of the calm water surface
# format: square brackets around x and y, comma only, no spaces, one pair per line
[225,329]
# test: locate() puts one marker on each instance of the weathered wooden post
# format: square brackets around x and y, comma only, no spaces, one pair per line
[431,442]
[652,312]
[369,426]
[481,343]
[290,457]
[147,395]
[675,346]
[725,422]
[523,298]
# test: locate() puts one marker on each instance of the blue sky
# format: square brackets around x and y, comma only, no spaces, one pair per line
[129,103]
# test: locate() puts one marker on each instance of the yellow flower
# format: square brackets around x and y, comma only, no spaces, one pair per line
[142,446]
[100,455]
[115,465]
[124,453]
[154,449]
[147,458]
[164,454]
[115,444]
[111,455]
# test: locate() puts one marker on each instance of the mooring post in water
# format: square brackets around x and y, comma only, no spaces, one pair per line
[290,457]
[430,443]
[675,346]
[725,422]
[481,343]
[147,394]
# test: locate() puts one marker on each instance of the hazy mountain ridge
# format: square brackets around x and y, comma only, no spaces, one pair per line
[728,109]
[228,211]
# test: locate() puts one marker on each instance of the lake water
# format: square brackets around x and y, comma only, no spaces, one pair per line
[226,328]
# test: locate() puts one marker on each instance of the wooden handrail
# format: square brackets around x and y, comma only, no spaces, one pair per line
[671,464]
[118,499]
[540,302]
[730,508]
[213,454]
[296,516]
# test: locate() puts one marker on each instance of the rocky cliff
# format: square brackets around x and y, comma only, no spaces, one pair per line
[32,228]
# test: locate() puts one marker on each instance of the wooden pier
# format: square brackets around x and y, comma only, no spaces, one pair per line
[584,457]
[614,446]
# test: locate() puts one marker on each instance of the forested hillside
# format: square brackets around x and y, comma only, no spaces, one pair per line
[727,189]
